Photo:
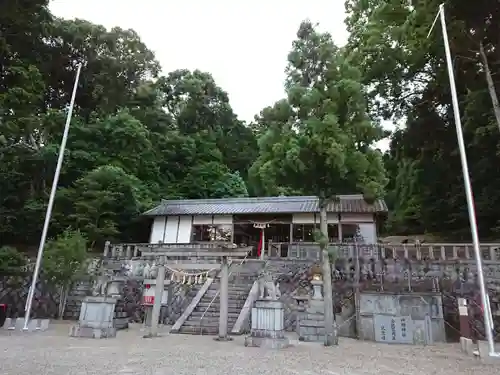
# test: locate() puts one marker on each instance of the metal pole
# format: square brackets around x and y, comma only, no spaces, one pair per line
[48,214]
[467,185]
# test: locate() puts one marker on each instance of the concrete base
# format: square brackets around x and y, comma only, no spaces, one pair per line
[150,335]
[33,324]
[268,326]
[267,342]
[311,322]
[92,333]
[223,339]
[483,353]
[120,323]
[467,346]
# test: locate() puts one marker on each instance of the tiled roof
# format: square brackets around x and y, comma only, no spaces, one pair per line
[228,206]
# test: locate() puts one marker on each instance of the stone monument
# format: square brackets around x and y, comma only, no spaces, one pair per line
[97,313]
[268,316]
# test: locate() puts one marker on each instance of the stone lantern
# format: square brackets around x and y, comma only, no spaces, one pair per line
[317,282]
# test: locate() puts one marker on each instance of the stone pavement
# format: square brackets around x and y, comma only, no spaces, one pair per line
[54,353]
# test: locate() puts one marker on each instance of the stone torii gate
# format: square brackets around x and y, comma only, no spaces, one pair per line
[203,256]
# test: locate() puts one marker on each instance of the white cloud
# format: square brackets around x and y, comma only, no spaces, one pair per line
[244,44]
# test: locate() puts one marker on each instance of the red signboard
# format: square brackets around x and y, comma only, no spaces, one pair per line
[148,300]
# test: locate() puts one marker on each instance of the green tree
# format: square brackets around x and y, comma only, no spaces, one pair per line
[12,261]
[104,204]
[323,147]
[64,262]
[405,73]
[135,138]
[213,180]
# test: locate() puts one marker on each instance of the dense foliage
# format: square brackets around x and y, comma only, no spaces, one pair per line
[138,136]
[405,74]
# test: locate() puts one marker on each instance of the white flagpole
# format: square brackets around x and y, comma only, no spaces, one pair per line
[468,186]
[48,214]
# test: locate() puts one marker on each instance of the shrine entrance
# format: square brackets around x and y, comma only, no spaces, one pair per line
[154,264]
[258,231]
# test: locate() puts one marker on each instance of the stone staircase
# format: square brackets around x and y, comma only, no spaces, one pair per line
[204,319]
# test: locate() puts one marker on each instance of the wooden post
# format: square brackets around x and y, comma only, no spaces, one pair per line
[224,300]
[155,314]
[263,249]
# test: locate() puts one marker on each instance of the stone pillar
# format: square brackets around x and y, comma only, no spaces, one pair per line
[268,320]
[463,312]
[466,343]
[147,317]
[155,313]
[318,295]
[224,301]
[107,250]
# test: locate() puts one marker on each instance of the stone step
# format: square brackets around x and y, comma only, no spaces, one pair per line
[191,330]
[216,309]
[199,314]
[231,293]
[234,301]
[203,323]
[311,323]
[233,317]
[231,304]
[210,324]
[242,289]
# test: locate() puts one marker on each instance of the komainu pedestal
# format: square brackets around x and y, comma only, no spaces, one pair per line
[268,325]
[96,318]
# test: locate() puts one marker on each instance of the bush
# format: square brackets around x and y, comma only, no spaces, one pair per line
[12,262]
[64,261]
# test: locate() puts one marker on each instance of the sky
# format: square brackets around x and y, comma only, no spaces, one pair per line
[243,44]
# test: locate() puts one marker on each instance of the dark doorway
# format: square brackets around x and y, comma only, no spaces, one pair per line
[247,235]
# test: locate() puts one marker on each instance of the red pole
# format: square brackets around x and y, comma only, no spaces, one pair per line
[259,248]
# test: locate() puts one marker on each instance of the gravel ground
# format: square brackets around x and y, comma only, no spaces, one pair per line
[53,352]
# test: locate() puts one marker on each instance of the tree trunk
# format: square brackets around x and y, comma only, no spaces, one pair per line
[491,84]
[63,299]
[330,328]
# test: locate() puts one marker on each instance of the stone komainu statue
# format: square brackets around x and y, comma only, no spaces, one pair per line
[100,287]
[267,288]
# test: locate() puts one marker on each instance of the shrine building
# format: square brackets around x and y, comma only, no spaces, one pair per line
[271,225]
